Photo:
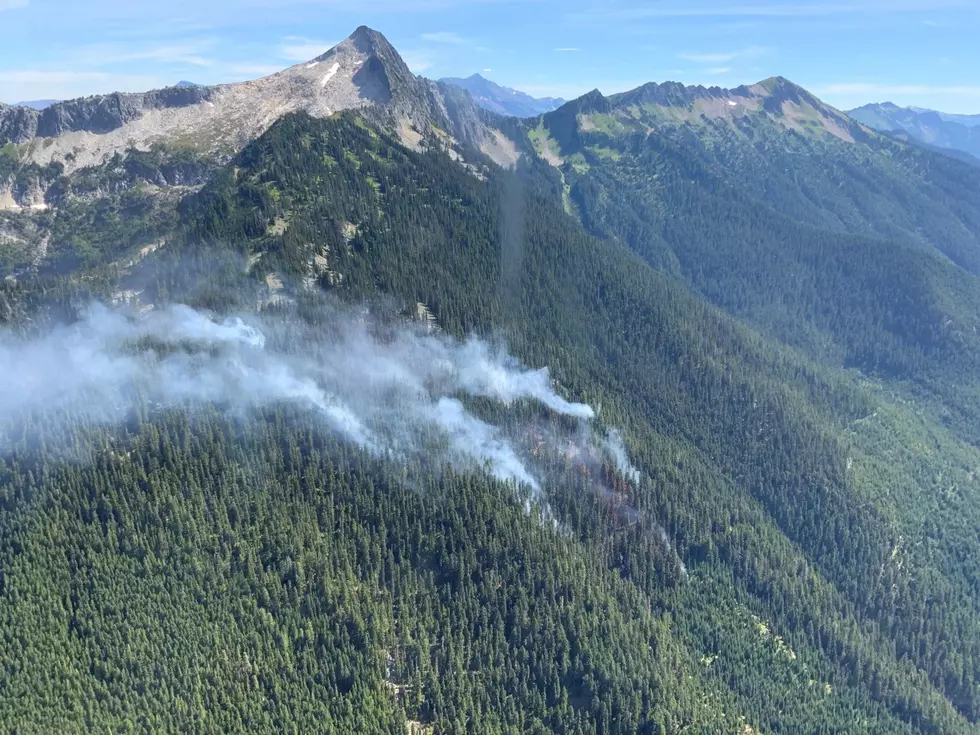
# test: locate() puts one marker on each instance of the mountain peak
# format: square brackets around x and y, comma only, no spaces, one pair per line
[366,41]
[503,100]
[773,83]
[382,74]
[593,101]
[782,89]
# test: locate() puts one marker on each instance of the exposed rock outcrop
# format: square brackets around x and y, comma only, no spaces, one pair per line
[363,72]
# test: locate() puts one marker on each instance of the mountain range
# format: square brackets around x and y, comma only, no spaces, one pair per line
[339,402]
[36,104]
[939,129]
[363,72]
[503,100]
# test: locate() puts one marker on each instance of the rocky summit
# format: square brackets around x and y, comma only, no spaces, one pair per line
[362,72]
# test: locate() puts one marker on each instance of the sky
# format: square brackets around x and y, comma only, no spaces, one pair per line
[910,52]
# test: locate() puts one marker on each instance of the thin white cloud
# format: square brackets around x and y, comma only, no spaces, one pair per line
[718,70]
[300,48]
[188,53]
[449,37]
[159,28]
[724,57]
[567,49]
[487,70]
[11,4]
[769,9]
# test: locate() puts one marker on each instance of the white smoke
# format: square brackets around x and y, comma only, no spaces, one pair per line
[392,391]
[617,451]
[469,436]
[386,390]
[500,376]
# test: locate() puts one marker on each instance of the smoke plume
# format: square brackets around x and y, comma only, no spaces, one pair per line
[394,390]
[617,450]
[388,389]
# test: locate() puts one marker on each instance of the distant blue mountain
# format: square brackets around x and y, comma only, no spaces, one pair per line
[183,83]
[504,100]
[935,129]
[36,104]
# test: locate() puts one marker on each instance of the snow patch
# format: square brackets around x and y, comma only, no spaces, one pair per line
[732,103]
[312,64]
[329,75]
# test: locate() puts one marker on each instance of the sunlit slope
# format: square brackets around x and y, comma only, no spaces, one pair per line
[859,250]
[814,564]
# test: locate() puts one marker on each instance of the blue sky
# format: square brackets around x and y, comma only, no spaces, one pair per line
[919,52]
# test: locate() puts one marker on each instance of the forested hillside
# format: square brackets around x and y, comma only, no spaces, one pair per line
[796,553]
[857,249]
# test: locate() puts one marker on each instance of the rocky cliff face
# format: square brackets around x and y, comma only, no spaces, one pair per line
[106,113]
[394,96]
[17,124]
[99,114]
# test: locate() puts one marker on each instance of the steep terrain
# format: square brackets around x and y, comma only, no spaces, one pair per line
[503,100]
[63,169]
[777,542]
[765,521]
[786,213]
[938,129]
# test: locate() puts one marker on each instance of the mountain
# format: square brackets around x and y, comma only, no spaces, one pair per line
[184,83]
[939,129]
[362,72]
[211,124]
[813,209]
[36,104]
[968,120]
[503,100]
[759,551]
[668,424]
[908,139]
[774,140]
[104,152]
[889,116]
